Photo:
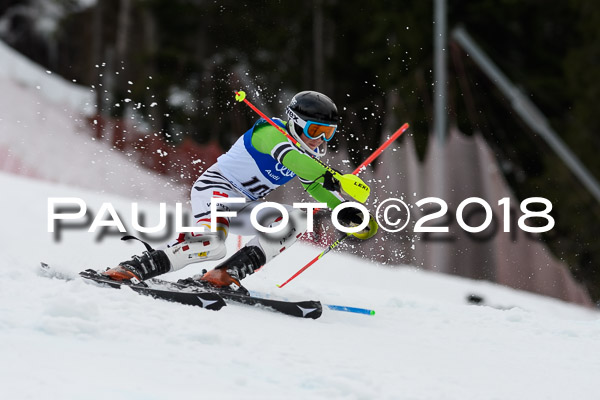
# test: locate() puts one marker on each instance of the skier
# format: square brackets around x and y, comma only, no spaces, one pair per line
[261,160]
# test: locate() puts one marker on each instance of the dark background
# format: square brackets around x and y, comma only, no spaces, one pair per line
[171,66]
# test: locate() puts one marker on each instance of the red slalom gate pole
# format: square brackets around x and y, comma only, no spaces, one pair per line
[369,160]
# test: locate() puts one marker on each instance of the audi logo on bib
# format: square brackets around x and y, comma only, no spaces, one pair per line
[283,170]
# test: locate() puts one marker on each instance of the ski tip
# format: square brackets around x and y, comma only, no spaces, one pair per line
[372,312]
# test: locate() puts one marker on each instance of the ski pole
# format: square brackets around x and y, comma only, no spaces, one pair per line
[356,310]
[314,260]
[369,160]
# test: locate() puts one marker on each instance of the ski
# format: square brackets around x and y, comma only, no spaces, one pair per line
[199,295]
[303,309]
[183,293]
[210,301]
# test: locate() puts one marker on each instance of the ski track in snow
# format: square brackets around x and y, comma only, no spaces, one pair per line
[68,339]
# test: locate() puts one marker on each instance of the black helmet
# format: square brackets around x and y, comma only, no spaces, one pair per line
[314,114]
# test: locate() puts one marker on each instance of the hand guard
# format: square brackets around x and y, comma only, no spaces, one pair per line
[350,217]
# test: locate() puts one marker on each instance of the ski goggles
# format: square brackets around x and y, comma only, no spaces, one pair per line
[313,130]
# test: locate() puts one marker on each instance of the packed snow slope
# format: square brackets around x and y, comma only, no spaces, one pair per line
[71,340]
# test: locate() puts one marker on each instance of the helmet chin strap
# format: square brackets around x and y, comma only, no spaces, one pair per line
[318,152]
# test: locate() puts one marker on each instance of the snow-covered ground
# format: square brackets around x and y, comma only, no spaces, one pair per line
[72,340]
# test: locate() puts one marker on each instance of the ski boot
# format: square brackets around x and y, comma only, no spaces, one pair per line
[227,275]
[150,264]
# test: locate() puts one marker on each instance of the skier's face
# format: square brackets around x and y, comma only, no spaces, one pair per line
[312,143]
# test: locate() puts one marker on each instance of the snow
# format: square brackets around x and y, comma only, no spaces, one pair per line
[71,340]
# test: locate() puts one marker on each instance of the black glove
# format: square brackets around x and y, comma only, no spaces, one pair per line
[350,217]
[330,183]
